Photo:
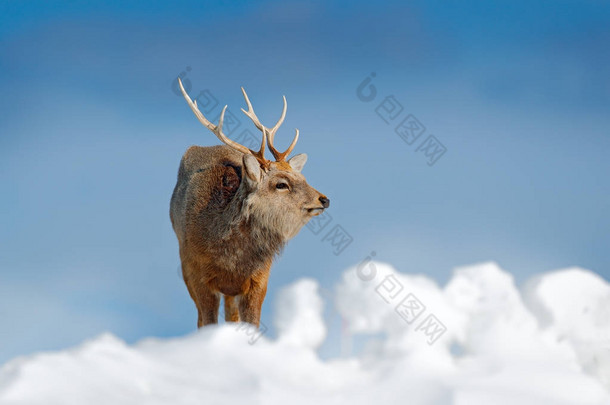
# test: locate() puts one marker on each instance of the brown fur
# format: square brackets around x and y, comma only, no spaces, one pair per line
[230,227]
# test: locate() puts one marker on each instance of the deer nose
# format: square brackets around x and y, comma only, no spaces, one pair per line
[325,202]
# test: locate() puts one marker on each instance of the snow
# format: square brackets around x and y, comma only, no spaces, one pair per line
[477,340]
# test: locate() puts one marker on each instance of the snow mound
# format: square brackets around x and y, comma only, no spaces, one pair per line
[478,340]
[574,305]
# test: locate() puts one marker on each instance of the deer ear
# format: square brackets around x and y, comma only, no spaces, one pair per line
[297,162]
[252,168]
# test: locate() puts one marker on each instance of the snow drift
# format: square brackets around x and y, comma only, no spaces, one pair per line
[478,340]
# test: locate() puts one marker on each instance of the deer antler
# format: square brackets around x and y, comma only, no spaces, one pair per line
[217,129]
[279,156]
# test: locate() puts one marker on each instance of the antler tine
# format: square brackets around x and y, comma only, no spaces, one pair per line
[276,154]
[279,156]
[279,122]
[252,115]
[217,129]
[292,145]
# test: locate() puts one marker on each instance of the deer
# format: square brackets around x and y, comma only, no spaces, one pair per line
[233,211]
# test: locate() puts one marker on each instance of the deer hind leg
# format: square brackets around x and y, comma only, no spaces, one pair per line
[206,300]
[251,302]
[231,311]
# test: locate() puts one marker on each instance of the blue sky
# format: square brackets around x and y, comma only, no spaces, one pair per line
[91,135]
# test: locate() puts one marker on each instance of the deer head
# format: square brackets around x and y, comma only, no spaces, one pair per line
[277,194]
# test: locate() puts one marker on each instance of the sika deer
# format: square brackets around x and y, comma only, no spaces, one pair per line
[233,211]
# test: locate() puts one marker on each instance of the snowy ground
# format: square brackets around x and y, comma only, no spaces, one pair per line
[478,340]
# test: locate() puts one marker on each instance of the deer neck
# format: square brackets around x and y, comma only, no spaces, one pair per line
[255,243]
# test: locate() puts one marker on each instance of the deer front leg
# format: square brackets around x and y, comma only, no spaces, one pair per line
[251,302]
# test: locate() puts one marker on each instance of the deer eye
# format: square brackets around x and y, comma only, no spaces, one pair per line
[281,186]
